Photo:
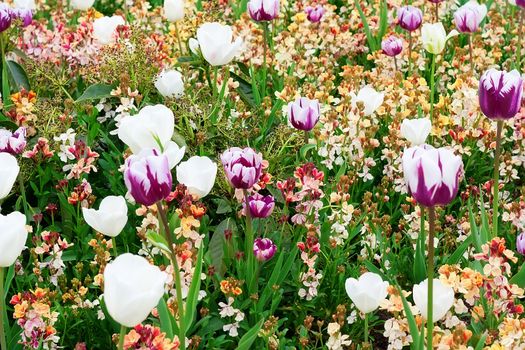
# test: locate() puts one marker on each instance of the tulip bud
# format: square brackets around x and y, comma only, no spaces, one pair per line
[500,94]
[367,292]
[370,98]
[435,37]
[6,16]
[174,10]
[152,128]
[520,243]
[263,10]
[315,14]
[216,43]
[132,288]
[304,113]
[416,131]
[442,298]
[104,29]
[82,5]
[13,236]
[13,143]
[148,177]
[242,166]
[264,249]
[260,206]
[432,174]
[170,84]
[409,18]
[110,218]
[392,46]
[198,175]
[469,16]
[8,173]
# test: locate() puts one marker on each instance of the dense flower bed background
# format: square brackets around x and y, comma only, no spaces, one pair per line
[261,174]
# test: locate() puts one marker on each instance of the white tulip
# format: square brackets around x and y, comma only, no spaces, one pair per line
[367,292]
[8,173]
[442,298]
[216,43]
[174,10]
[435,37]
[198,175]
[132,288]
[416,131]
[82,5]
[25,4]
[194,46]
[370,98]
[170,84]
[104,29]
[110,218]
[13,236]
[152,128]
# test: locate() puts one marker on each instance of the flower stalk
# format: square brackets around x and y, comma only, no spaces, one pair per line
[430,272]
[495,203]
[176,275]
[123,330]
[252,281]
[3,343]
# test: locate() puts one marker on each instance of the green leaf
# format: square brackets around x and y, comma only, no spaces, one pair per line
[17,76]
[369,37]
[96,92]
[519,278]
[383,21]
[216,245]
[481,342]
[458,253]
[158,241]
[420,267]
[247,340]
[6,90]
[474,228]
[166,319]
[485,228]
[245,90]
[193,293]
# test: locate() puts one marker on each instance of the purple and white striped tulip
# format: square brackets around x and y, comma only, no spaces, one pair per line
[392,46]
[520,3]
[469,16]
[315,14]
[409,18]
[6,16]
[500,94]
[13,143]
[260,206]
[264,249]
[520,243]
[432,174]
[304,113]
[263,10]
[148,177]
[24,14]
[243,167]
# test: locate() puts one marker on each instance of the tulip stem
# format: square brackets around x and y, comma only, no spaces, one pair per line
[437,11]
[121,337]
[432,86]
[114,244]
[495,200]
[178,37]
[409,53]
[430,281]
[306,137]
[249,245]
[3,343]
[395,64]
[176,275]
[471,54]
[366,330]
[265,64]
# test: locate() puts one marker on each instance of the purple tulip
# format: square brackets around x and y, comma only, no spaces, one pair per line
[304,113]
[500,94]
[392,46]
[409,18]
[520,3]
[432,174]
[520,243]
[6,16]
[260,206]
[243,167]
[25,15]
[13,143]
[264,249]
[263,10]
[314,14]
[148,177]
[469,16]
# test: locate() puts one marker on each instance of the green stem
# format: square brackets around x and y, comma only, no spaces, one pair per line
[122,335]
[248,249]
[409,53]
[471,54]
[366,330]
[215,76]
[176,275]
[306,137]
[432,86]
[3,343]
[5,82]
[265,65]
[495,201]
[114,244]
[430,272]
